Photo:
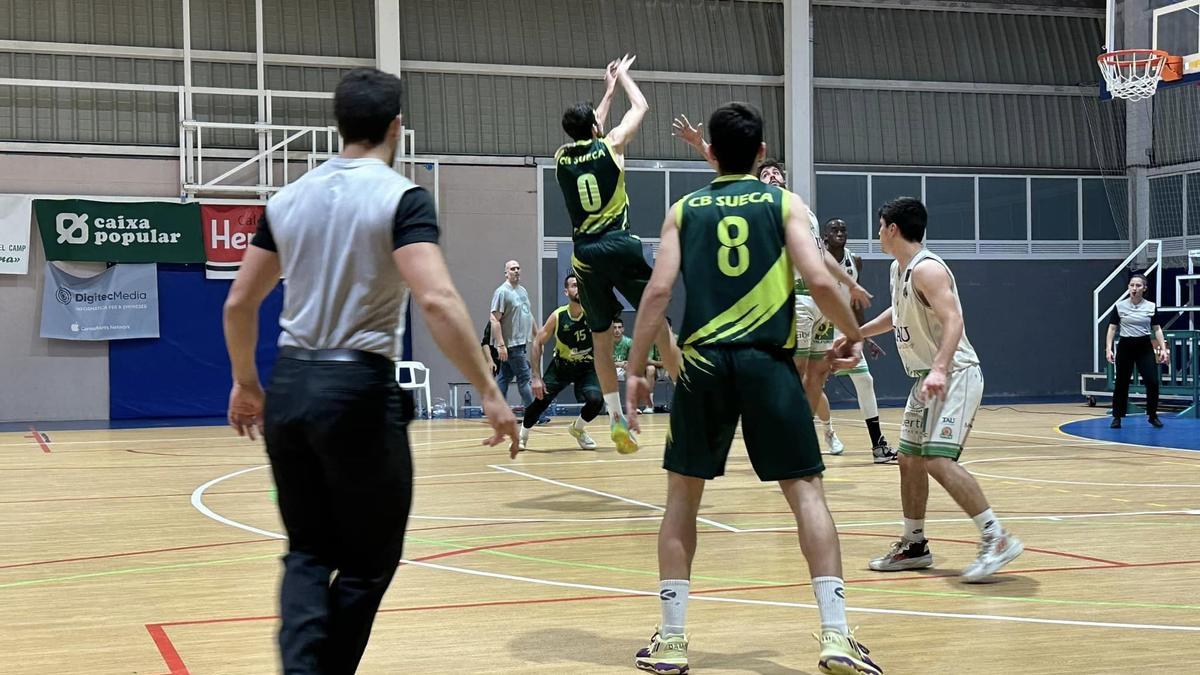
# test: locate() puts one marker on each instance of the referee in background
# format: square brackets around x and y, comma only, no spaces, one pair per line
[351,237]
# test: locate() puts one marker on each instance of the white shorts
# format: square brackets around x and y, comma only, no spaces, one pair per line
[939,428]
[814,334]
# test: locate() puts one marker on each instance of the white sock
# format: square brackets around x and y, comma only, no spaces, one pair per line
[988,523]
[579,424]
[914,530]
[864,390]
[673,593]
[613,403]
[831,601]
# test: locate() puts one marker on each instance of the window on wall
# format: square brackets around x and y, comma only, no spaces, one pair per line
[885,187]
[951,205]
[1054,208]
[1002,209]
[845,196]
[686,182]
[1166,207]
[647,192]
[1103,201]
[1193,196]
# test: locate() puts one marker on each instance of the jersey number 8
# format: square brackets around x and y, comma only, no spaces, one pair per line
[589,192]
[733,231]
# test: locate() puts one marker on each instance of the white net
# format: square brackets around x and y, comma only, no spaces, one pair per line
[1132,74]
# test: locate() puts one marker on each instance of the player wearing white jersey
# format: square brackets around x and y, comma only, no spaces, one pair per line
[835,234]
[926,317]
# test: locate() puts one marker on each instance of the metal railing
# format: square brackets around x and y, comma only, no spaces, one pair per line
[1098,317]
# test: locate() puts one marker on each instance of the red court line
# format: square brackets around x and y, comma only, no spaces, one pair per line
[127,554]
[41,440]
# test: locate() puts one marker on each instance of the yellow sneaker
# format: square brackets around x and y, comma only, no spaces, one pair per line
[582,437]
[665,655]
[842,655]
[623,436]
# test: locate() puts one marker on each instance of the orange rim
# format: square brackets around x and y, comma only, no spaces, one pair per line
[1147,56]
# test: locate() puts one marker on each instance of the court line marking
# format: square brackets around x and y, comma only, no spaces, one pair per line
[804,605]
[609,495]
[197,498]
[199,505]
[1063,482]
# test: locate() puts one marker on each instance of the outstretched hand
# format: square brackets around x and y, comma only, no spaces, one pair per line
[683,130]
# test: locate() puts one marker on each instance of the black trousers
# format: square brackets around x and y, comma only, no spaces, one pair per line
[336,436]
[1136,351]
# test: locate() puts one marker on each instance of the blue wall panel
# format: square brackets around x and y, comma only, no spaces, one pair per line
[184,373]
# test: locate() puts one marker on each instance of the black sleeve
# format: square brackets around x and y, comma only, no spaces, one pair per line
[1156,320]
[263,237]
[416,219]
[487,335]
[1114,319]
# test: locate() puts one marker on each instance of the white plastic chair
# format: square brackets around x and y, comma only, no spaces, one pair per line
[414,368]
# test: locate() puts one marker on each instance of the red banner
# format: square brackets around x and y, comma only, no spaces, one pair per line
[228,229]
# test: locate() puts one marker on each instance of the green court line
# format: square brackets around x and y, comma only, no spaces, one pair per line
[531,535]
[594,566]
[134,570]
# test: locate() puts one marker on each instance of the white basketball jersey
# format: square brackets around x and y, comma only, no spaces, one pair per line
[802,288]
[851,269]
[918,330]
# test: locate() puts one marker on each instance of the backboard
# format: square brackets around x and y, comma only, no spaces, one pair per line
[1176,30]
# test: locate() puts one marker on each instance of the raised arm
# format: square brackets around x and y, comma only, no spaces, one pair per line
[624,132]
[693,136]
[610,89]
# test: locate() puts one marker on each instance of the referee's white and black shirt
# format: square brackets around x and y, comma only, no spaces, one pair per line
[335,230]
[1135,320]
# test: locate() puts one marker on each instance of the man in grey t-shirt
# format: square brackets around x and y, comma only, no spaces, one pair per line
[512,330]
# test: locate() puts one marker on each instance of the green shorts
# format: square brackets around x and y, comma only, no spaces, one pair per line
[719,386]
[561,373]
[605,264]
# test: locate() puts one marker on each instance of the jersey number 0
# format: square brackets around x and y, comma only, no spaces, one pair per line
[589,192]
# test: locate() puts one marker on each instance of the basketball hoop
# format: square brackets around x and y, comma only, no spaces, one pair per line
[1133,74]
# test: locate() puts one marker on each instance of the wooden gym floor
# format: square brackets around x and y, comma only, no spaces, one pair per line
[154,551]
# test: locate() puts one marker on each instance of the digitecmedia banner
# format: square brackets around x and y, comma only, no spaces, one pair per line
[119,303]
[228,229]
[138,232]
[14,234]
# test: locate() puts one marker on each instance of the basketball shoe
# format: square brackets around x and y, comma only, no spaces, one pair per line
[581,436]
[623,436]
[843,655]
[905,555]
[665,655]
[994,552]
[883,453]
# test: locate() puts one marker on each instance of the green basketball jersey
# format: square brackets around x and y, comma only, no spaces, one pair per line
[573,337]
[593,185]
[735,265]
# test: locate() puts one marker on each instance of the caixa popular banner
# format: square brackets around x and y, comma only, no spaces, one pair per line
[228,229]
[82,230]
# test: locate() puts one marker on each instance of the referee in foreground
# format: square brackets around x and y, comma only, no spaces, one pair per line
[351,237]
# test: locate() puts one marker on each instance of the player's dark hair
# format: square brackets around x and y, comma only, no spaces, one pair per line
[908,213]
[578,121]
[365,103]
[619,320]
[1140,275]
[771,163]
[736,130]
[570,276]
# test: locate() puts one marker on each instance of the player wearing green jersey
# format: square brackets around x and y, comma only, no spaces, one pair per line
[573,363]
[735,243]
[607,258]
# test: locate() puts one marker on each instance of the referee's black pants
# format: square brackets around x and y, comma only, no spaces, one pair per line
[1135,351]
[336,436]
